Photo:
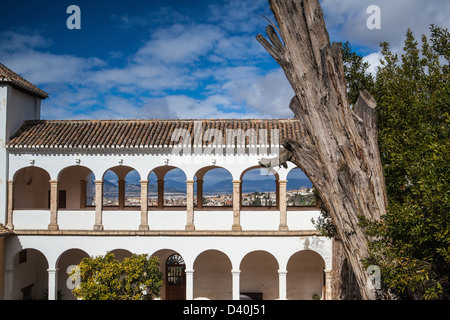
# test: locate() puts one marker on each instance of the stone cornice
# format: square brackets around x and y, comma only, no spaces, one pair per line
[168,233]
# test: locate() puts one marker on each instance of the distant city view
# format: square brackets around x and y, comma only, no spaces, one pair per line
[257,190]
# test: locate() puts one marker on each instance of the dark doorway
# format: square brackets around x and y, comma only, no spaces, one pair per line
[62,199]
[175,278]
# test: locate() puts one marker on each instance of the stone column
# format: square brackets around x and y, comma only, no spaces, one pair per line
[144,205]
[9,217]
[189,284]
[8,283]
[236,205]
[52,284]
[83,193]
[236,289]
[199,194]
[277,193]
[190,205]
[98,204]
[121,194]
[53,205]
[2,267]
[282,205]
[327,284]
[160,194]
[282,284]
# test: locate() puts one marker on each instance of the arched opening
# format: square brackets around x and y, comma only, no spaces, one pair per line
[31,189]
[172,289]
[121,188]
[76,189]
[175,188]
[259,276]
[121,254]
[66,261]
[299,189]
[212,276]
[167,187]
[305,276]
[259,188]
[30,276]
[214,187]
[152,190]
[175,278]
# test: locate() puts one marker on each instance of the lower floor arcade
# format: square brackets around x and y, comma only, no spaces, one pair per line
[259,267]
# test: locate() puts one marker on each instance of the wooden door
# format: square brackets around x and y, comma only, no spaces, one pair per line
[175,278]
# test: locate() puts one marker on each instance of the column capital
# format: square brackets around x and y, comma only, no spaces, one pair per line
[98,181]
[282,181]
[236,181]
[143,181]
[53,181]
[235,271]
[52,270]
[282,272]
[190,181]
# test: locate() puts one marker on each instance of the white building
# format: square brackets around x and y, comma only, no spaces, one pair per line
[215,252]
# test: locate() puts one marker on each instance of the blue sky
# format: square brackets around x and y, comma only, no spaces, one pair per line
[178,59]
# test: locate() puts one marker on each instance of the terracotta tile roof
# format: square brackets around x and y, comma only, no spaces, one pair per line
[125,134]
[4,231]
[9,76]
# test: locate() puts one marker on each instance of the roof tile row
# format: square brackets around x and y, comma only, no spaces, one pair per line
[9,76]
[76,134]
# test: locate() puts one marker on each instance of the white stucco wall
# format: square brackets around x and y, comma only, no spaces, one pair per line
[258,258]
[3,153]
[15,107]
[235,247]
[143,161]
[163,220]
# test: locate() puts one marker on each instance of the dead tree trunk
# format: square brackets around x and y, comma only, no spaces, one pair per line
[339,152]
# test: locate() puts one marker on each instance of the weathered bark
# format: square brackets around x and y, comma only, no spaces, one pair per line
[339,153]
[343,281]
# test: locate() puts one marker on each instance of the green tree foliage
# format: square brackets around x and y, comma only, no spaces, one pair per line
[105,278]
[356,73]
[411,244]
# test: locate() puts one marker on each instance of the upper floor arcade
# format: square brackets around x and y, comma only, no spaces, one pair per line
[155,174]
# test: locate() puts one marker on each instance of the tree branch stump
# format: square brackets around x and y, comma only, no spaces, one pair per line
[340,152]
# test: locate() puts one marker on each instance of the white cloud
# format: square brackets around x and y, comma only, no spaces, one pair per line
[179,44]
[347,20]
[240,16]
[269,95]
[22,53]
[211,69]
[163,15]
[374,60]
[22,41]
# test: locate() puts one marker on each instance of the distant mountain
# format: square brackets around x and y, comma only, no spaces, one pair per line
[220,187]
[298,183]
[173,186]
